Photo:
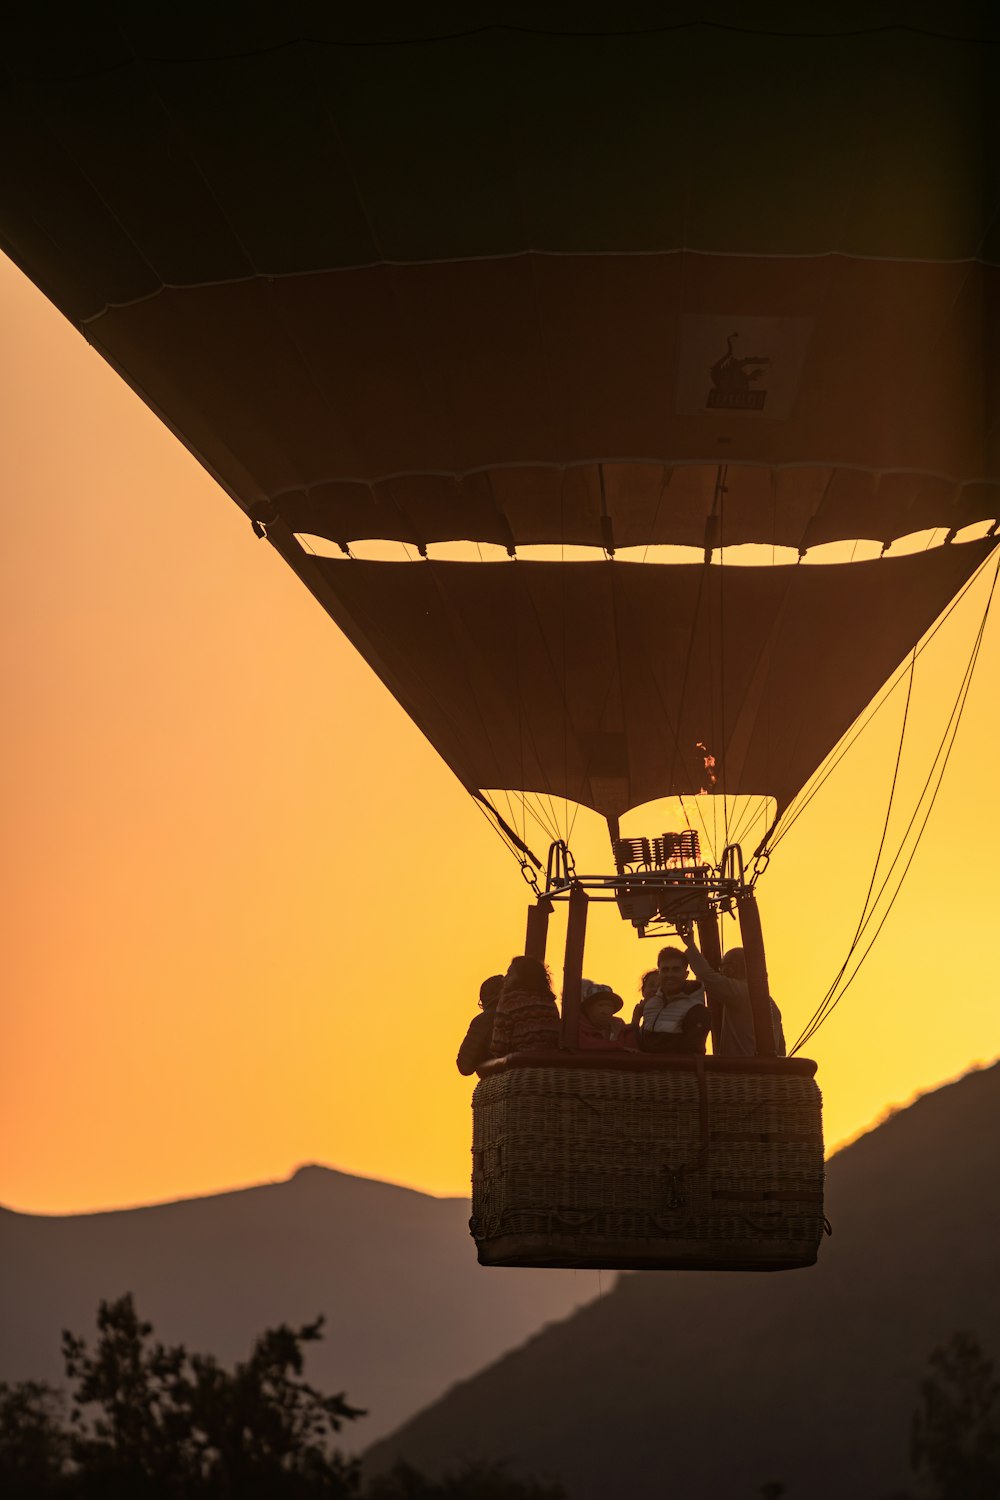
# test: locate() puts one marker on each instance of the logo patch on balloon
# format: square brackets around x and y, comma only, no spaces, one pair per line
[729,364]
[734,378]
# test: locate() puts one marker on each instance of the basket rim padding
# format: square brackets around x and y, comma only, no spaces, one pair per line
[644,1062]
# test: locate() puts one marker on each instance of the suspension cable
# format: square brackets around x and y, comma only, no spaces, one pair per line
[817,1018]
[833,997]
[517,845]
[786,820]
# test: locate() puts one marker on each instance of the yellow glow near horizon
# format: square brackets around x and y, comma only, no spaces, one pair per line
[248,908]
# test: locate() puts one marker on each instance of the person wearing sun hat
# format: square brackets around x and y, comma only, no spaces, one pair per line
[600,1028]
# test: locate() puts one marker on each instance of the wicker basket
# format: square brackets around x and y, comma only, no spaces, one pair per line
[637,1161]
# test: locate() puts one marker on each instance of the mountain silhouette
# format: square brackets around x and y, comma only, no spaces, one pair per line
[408,1309]
[700,1385]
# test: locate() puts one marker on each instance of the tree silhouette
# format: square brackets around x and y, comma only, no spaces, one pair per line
[156,1418]
[34,1443]
[475,1482]
[955,1444]
[152,1422]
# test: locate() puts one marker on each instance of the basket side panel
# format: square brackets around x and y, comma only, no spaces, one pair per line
[643,1163]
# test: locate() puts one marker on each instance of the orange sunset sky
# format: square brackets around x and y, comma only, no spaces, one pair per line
[247,909]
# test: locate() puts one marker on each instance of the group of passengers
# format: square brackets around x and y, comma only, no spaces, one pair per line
[519,1011]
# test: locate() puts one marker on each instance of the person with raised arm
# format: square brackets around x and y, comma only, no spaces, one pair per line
[728,985]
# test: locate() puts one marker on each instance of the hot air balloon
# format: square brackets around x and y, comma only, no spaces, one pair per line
[608,299]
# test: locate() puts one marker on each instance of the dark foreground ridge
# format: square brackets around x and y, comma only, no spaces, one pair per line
[707,1386]
[408,1311]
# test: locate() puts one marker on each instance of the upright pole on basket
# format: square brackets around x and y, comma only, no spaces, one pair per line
[711,947]
[576,933]
[536,936]
[760,992]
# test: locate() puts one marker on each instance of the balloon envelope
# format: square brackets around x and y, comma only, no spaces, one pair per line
[649,276]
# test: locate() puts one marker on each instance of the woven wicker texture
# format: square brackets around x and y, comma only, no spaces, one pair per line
[587,1166]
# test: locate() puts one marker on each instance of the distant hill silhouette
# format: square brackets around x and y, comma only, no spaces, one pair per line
[408,1309]
[694,1385]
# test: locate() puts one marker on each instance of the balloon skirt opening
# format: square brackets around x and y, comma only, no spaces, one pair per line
[641,1163]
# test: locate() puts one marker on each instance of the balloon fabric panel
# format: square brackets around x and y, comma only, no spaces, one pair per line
[599,681]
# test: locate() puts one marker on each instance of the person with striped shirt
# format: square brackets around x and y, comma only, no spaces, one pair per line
[527,1017]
